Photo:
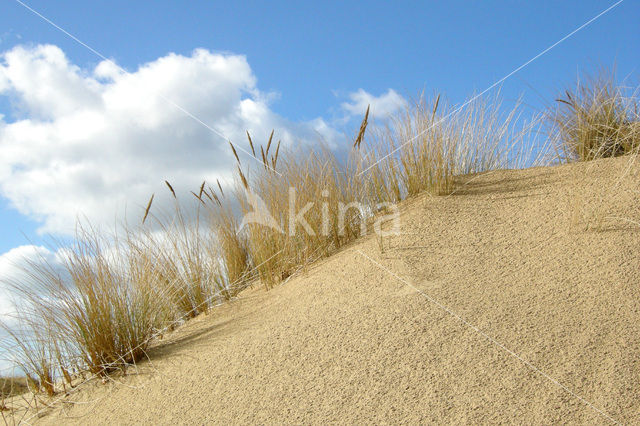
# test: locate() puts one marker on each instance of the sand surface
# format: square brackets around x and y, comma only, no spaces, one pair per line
[516,300]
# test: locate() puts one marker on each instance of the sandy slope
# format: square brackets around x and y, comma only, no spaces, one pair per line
[366,336]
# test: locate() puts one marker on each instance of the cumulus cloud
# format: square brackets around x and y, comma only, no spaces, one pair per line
[12,271]
[90,142]
[381,106]
[13,267]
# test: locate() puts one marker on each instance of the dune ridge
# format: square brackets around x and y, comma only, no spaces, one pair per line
[543,261]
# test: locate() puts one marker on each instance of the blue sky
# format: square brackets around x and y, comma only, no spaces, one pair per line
[307,59]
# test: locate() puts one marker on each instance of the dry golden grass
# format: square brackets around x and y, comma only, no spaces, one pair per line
[289,182]
[596,119]
[232,246]
[114,295]
[97,313]
[427,146]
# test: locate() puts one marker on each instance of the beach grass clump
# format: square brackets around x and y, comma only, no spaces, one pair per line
[188,255]
[33,353]
[430,144]
[597,118]
[99,306]
[84,313]
[301,204]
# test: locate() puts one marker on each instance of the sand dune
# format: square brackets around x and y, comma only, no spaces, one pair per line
[515,300]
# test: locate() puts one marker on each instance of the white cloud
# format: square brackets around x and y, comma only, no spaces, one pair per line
[13,265]
[89,143]
[381,106]
[14,262]
[4,83]
[11,270]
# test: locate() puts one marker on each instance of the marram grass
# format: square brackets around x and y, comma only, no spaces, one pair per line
[115,293]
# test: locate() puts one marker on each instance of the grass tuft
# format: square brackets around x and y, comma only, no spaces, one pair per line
[596,119]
